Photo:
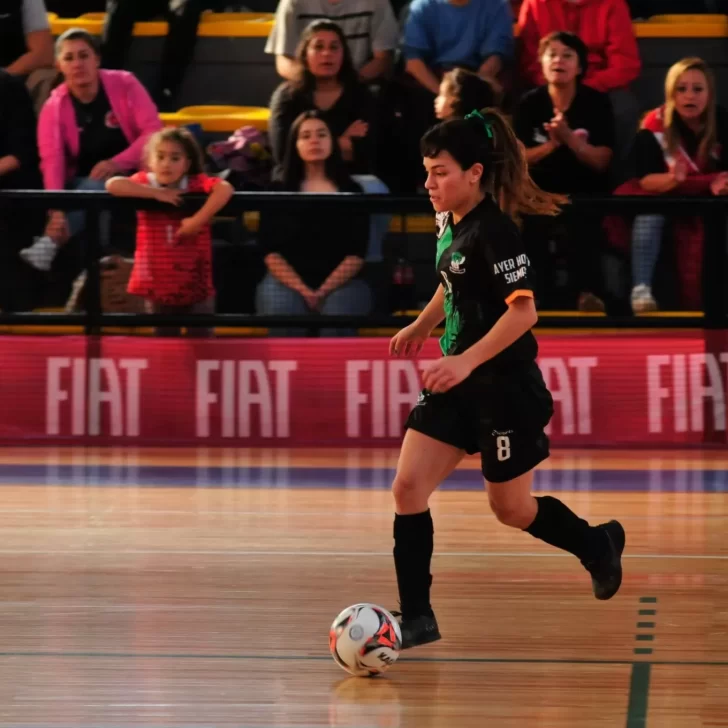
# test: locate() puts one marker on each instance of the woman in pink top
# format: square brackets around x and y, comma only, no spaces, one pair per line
[94,126]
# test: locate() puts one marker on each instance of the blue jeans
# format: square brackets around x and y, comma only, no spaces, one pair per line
[378,222]
[76,219]
[272,298]
[646,242]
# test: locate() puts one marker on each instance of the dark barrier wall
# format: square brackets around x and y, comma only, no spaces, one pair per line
[713,213]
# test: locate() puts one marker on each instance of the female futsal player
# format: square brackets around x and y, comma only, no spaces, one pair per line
[486,394]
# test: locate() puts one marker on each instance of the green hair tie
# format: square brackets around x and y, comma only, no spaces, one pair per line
[477,115]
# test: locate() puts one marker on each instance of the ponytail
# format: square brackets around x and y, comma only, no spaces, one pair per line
[487,138]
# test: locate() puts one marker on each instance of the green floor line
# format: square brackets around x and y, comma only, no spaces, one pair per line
[639,682]
[639,689]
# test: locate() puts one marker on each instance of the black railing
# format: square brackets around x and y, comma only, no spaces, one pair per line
[712,210]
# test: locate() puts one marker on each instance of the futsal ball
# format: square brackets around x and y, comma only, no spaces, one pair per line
[365,640]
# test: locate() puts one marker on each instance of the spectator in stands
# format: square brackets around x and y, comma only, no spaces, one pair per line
[94,126]
[613,59]
[439,36]
[369,27]
[18,150]
[313,258]
[178,50]
[682,148]
[568,131]
[460,92]
[26,45]
[18,170]
[325,80]
[173,261]
[443,34]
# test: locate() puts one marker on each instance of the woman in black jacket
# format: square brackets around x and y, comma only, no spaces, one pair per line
[327,82]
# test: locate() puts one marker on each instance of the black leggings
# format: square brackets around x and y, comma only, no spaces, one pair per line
[183,17]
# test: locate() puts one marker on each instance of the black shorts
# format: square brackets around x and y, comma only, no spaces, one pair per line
[502,416]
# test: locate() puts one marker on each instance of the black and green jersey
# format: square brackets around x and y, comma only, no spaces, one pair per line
[483,265]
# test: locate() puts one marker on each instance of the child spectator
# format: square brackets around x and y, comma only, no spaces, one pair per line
[439,36]
[461,92]
[313,257]
[173,262]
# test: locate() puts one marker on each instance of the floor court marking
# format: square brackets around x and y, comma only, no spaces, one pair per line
[327,658]
[232,514]
[639,682]
[346,554]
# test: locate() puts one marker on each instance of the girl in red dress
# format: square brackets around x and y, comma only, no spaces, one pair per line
[173,261]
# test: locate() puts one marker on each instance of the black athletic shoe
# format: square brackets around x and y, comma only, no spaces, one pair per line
[606,572]
[418,631]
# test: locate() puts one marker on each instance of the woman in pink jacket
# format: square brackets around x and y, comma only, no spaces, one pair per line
[94,126]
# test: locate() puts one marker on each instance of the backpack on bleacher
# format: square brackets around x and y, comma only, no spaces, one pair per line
[246,156]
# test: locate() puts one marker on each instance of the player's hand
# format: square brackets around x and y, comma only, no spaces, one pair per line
[188,228]
[168,195]
[446,373]
[409,341]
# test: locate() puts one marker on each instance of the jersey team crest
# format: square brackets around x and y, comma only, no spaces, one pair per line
[457,262]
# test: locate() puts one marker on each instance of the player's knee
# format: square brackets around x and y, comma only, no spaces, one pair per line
[513,513]
[409,494]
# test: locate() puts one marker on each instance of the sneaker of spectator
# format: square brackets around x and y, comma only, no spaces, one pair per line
[568,131]
[93,126]
[368,25]
[605,27]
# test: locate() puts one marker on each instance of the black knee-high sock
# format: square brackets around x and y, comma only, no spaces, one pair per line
[559,526]
[413,544]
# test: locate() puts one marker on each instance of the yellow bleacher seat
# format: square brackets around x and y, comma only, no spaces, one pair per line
[683,26]
[229,25]
[219,118]
[259,25]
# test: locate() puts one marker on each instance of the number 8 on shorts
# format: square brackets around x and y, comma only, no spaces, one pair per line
[503,445]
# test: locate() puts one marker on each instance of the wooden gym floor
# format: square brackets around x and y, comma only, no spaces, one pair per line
[196,587]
